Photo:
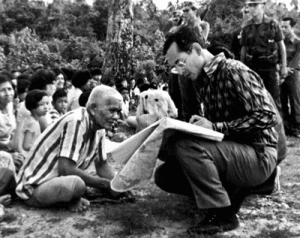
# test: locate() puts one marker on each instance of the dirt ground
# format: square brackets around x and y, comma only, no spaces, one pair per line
[158,214]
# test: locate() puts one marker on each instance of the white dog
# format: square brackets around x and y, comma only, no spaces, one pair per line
[153,105]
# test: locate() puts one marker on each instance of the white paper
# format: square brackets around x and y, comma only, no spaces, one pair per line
[139,152]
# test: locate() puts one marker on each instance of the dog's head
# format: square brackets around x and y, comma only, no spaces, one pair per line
[153,102]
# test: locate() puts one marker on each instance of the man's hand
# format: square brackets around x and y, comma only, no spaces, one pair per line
[201,121]
[290,71]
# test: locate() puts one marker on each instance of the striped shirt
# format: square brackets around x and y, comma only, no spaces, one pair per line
[236,101]
[72,137]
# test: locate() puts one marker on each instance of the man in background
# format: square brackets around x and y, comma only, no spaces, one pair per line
[290,88]
[263,48]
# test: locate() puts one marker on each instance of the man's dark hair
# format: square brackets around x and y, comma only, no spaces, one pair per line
[80,78]
[33,97]
[184,38]
[291,20]
[59,94]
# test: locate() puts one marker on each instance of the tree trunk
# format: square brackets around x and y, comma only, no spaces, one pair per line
[119,42]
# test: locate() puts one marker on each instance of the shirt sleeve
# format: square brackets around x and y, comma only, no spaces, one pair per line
[295,62]
[251,94]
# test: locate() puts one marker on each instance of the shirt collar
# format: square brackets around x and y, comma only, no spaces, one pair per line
[213,64]
[292,39]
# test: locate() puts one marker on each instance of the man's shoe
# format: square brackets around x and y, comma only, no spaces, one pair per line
[216,220]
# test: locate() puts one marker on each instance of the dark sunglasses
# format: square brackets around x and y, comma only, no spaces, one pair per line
[186,10]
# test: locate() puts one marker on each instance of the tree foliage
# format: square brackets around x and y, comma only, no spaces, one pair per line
[74,32]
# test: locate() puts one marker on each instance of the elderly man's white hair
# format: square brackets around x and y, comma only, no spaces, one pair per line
[100,93]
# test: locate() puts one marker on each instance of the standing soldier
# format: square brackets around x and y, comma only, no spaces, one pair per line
[262,46]
[290,88]
[237,34]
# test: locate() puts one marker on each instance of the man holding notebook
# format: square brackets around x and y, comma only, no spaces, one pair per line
[236,103]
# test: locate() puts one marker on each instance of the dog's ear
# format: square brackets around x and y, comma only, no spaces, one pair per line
[141,107]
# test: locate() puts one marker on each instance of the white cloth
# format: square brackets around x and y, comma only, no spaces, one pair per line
[73,96]
[27,124]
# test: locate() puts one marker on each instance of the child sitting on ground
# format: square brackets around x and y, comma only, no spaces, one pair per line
[37,102]
[60,103]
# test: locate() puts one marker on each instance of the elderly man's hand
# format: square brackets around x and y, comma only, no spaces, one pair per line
[201,121]
[18,159]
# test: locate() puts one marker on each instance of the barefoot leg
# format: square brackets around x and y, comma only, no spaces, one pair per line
[5,200]
[79,205]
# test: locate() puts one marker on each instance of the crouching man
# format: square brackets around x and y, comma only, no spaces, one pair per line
[236,103]
[54,170]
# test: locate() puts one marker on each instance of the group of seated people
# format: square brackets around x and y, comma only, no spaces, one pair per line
[31,102]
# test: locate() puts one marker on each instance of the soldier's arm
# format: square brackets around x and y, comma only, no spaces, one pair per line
[205,29]
[282,51]
[243,53]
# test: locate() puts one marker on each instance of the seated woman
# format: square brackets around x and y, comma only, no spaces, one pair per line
[10,161]
[42,80]
[60,78]
[37,102]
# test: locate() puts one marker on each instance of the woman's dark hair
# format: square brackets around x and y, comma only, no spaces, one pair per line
[96,71]
[33,98]
[58,71]
[7,74]
[4,78]
[23,86]
[41,78]
[83,98]
[68,72]
[59,94]
[80,78]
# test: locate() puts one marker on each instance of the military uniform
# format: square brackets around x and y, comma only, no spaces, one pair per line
[262,52]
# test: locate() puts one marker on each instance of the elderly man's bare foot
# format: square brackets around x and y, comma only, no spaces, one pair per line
[5,200]
[79,205]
